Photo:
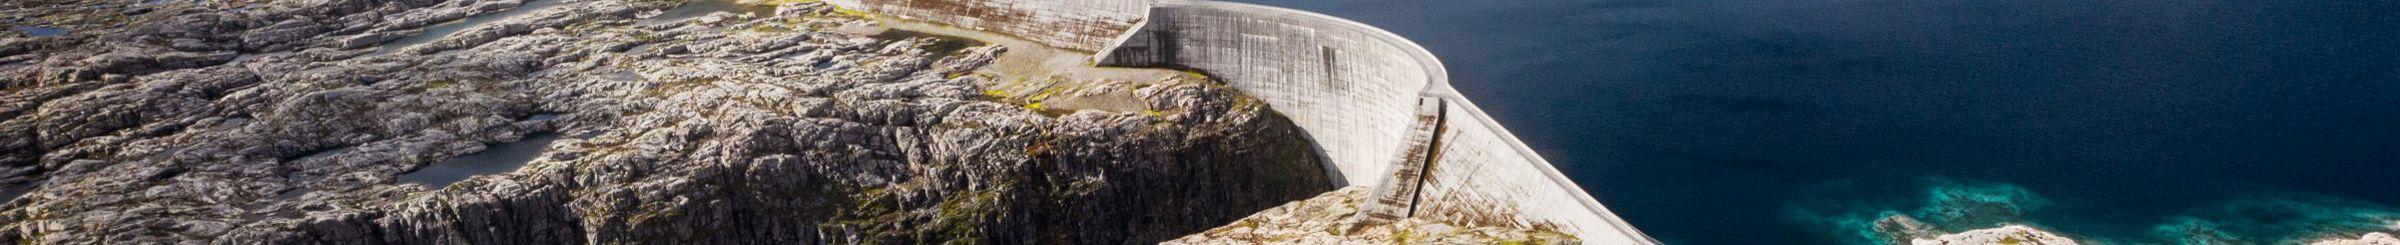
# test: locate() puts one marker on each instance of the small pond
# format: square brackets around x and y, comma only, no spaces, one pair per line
[40,31]
[439,31]
[498,158]
[696,9]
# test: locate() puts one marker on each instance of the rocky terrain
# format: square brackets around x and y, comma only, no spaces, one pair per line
[1330,219]
[2377,238]
[2013,234]
[1903,229]
[281,122]
[2019,234]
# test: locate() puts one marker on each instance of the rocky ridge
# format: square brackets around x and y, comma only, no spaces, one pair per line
[239,122]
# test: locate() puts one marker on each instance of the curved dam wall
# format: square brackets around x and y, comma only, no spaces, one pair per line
[1377,105]
[1354,91]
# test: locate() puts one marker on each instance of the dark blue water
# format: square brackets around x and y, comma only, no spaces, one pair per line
[495,159]
[1782,122]
[40,31]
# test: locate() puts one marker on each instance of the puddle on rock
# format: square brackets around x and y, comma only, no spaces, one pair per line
[622,76]
[38,31]
[498,158]
[11,193]
[944,47]
[696,9]
[436,32]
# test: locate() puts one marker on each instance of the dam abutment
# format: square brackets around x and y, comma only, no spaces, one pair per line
[1380,107]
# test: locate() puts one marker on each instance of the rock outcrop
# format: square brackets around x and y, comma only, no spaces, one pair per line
[1330,219]
[2012,234]
[242,122]
[1896,228]
[2377,238]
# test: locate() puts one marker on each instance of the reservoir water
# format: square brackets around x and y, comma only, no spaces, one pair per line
[1801,122]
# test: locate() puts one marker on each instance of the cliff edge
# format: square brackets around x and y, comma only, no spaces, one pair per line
[337,121]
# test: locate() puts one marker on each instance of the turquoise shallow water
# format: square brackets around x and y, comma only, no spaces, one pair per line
[1796,122]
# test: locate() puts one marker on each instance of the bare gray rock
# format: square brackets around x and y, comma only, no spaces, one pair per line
[1332,219]
[2375,238]
[284,122]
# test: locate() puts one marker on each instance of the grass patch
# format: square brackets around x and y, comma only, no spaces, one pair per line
[838,10]
[1195,74]
[777,2]
[770,29]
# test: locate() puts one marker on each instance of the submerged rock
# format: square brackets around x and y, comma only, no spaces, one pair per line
[281,122]
[1898,227]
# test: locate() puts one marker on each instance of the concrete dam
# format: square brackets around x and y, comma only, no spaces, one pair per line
[1379,106]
